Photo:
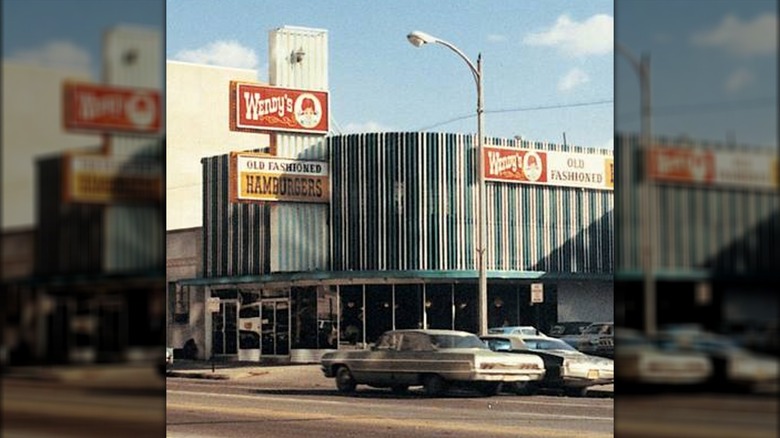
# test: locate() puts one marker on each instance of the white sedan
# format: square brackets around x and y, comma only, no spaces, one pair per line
[641,362]
[565,367]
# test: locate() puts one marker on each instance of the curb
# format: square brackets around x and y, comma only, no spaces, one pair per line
[191,375]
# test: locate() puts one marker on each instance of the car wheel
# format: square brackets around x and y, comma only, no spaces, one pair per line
[434,385]
[399,389]
[344,380]
[576,392]
[525,388]
[489,388]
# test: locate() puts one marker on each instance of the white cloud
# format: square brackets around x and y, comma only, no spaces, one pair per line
[371,126]
[593,36]
[738,80]
[495,38]
[57,54]
[221,53]
[746,38]
[574,78]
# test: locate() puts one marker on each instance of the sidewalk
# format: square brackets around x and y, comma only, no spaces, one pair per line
[293,376]
[117,375]
[286,375]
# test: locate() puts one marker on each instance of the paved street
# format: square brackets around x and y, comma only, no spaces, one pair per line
[301,403]
[88,405]
[696,415]
[221,410]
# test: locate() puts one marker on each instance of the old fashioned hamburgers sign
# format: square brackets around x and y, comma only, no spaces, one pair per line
[100,179]
[255,107]
[100,108]
[261,177]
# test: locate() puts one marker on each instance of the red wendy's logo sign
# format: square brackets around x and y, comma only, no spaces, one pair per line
[515,165]
[263,108]
[681,165]
[103,108]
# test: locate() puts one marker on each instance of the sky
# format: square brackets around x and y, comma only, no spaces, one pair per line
[69,34]
[713,69]
[547,66]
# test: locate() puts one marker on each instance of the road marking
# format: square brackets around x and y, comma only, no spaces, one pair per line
[351,402]
[416,425]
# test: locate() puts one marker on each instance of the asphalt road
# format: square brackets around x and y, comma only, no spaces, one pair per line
[226,409]
[697,415]
[38,409]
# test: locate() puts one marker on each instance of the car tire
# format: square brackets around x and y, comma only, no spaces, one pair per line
[525,388]
[345,382]
[576,392]
[489,388]
[434,385]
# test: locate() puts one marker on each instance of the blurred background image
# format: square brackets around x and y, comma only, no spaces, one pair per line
[697,229]
[83,298]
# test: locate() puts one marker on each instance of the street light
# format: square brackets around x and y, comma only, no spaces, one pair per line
[642,68]
[418,39]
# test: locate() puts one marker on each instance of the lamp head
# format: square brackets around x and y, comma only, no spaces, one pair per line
[418,38]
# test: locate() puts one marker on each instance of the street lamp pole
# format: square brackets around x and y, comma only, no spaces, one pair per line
[417,39]
[642,68]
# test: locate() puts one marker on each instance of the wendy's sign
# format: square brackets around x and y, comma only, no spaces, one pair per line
[101,108]
[255,107]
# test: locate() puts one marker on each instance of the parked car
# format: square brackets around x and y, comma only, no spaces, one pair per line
[733,367]
[568,328]
[435,359]
[525,330]
[597,339]
[565,367]
[641,363]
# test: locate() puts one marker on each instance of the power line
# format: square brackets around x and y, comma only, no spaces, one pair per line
[521,109]
[705,107]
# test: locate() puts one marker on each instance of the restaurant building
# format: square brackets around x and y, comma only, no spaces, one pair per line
[311,241]
[82,271]
[713,226]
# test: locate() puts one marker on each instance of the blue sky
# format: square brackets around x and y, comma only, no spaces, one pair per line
[713,68]
[69,33]
[535,54]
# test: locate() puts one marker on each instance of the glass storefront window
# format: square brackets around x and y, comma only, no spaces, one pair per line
[503,306]
[438,306]
[408,306]
[327,324]
[379,311]
[304,317]
[466,307]
[351,327]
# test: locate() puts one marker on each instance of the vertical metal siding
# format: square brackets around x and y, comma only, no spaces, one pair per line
[135,237]
[419,207]
[235,236]
[697,226]
[299,237]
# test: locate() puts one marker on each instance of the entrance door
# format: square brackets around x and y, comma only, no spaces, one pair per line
[224,329]
[111,330]
[275,327]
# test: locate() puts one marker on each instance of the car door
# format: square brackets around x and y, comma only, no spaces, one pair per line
[375,366]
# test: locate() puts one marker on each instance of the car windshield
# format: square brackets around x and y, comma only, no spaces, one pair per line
[456,341]
[548,344]
[597,329]
[558,330]
[706,344]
